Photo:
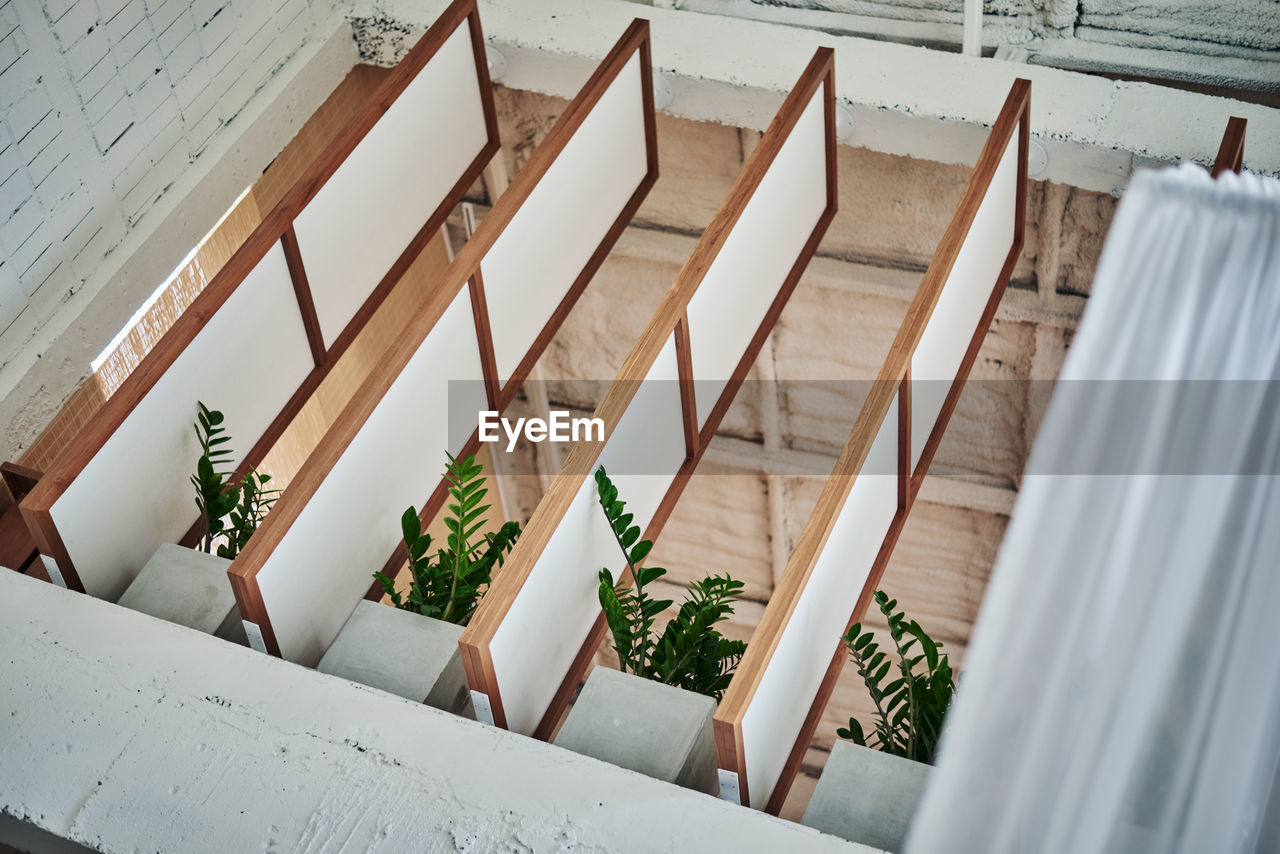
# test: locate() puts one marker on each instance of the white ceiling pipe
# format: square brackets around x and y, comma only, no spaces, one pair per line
[972,28]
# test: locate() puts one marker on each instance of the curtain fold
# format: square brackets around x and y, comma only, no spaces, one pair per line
[1122,687]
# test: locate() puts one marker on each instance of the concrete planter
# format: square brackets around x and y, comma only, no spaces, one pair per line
[636,723]
[402,653]
[190,588]
[867,796]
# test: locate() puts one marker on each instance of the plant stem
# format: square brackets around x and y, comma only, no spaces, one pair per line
[875,696]
[635,576]
[453,588]
[904,664]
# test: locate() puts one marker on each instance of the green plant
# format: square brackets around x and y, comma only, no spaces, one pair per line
[910,708]
[229,512]
[449,584]
[690,653]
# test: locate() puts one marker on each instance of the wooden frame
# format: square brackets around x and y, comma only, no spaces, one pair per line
[464,271]
[276,226]
[18,551]
[669,319]
[1231,152]
[893,381]
[20,479]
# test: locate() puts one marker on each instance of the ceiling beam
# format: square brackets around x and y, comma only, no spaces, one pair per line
[905,100]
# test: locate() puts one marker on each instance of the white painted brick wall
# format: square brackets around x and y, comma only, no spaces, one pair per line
[103,104]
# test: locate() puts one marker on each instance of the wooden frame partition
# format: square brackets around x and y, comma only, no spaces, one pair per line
[18,550]
[892,389]
[276,229]
[1231,152]
[319,487]
[671,336]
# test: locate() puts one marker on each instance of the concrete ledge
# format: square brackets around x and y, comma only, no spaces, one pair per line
[121,732]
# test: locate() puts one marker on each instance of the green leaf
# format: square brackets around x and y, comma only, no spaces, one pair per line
[647,574]
[853,733]
[926,643]
[410,525]
[641,551]
[654,607]
[474,514]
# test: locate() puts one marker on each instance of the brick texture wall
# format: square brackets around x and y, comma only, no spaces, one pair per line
[103,104]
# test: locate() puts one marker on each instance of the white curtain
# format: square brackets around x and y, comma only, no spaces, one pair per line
[1122,689]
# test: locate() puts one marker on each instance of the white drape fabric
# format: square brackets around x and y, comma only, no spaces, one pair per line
[1122,688]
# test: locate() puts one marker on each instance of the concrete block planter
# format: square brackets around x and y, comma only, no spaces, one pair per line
[636,723]
[190,588]
[867,796]
[402,653]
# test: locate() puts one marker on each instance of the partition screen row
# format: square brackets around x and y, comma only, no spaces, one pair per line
[465,350]
[769,712]
[273,321]
[532,637]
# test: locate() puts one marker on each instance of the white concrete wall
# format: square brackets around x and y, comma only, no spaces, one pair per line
[125,733]
[127,128]
[106,103]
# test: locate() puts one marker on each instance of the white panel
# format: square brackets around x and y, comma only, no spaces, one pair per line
[729,790]
[530,267]
[364,216]
[554,610]
[325,563]
[481,706]
[743,280]
[960,306]
[782,700]
[253,632]
[51,569]
[247,360]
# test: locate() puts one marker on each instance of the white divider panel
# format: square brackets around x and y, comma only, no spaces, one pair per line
[324,565]
[552,614]
[757,255]
[365,215]
[964,297]
[134,494]
[533,263]
[774,718]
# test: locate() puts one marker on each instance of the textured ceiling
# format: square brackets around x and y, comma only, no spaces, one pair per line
[1229,44]
[1250,24]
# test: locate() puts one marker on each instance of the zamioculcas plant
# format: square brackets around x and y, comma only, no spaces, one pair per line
[252,507]
[910,707]
[229,512]
[690,653]
[449,584]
